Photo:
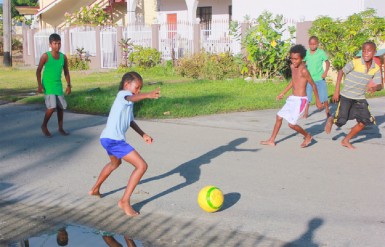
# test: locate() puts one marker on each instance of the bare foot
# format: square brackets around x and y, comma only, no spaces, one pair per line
[126,207]
[45,131]
[305,115]
[347,144]
[307,141]
[268,142]
[63,133]
[329,124]
[94,193]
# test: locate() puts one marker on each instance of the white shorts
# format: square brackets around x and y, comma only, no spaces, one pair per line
[53,101]
[293,108]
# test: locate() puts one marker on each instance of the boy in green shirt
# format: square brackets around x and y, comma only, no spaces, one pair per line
[314,60]
[54,62]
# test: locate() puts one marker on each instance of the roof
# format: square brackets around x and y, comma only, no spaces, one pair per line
[27,10]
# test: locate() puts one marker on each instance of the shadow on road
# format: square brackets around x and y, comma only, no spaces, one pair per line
[306,239]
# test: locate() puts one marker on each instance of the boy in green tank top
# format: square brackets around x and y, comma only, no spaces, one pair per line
[54,62]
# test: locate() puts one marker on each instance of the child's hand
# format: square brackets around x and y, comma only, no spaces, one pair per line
[324,75]
[319,104]
[68,90]
[40,89]
[155,94]
[336,97]
[280,96]
[148,139]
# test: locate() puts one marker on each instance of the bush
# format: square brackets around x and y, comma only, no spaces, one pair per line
[144,57]
[77,63]
[208,66]
[17,45]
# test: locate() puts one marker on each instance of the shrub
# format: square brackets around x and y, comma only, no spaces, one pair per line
[342,39]
[208,66]
[267,48]
[144,57]
[77,63]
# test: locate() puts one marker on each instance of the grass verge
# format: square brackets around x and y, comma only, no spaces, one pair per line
[94,92]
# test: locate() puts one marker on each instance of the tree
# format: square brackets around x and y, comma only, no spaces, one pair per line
[266,46]
[94,15]
[342,39]
[14,3]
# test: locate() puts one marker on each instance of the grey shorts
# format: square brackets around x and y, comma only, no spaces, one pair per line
[54,101]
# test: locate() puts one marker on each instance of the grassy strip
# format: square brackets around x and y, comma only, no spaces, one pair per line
[94,92]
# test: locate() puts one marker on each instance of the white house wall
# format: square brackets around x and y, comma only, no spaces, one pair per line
[220,9]
[178,7]
[301,10]
[378,5]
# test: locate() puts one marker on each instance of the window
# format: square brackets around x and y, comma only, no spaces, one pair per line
[205,15]
[230,13]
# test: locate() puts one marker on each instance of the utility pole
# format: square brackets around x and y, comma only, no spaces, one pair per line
[7,34]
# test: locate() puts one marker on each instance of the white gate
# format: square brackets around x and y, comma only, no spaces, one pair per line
[108,47]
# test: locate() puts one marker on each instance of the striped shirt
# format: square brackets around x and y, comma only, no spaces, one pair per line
[357,77]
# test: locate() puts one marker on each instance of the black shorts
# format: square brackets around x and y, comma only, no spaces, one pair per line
[349,109]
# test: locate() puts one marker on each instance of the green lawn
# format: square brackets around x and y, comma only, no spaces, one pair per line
[94,92]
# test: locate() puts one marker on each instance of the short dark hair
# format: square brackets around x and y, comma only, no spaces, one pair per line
[314,37]
[370,43]
[129,77]
[54,37]
[298,49]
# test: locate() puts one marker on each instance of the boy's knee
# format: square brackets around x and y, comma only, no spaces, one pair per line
[115,164]
[292,126]
[143,167]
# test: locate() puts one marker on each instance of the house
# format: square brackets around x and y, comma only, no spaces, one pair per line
[51,12]
[299,10]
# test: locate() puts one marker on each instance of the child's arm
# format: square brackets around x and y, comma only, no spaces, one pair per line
[327,66]
[67,75]
[43,60]
[308,78]
[141,96]
[336,95]
[288,87]
[138,130]
[377,79]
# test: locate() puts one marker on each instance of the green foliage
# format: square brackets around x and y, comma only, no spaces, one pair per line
[144,57]
[208,66]
[342,39]
[17,45]
[14,3]
[94,15]
[266,47]
[76,63]
[127,47]
[80,61]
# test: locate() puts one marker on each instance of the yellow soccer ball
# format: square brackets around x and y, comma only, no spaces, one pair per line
[210,198]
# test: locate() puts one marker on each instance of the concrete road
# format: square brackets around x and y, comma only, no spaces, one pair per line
[323,195]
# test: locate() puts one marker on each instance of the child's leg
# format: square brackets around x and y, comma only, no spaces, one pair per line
[309,93]
[47,117]
[306,135]
[353,132]
[140,168]
[60,116]
[326,106]
[277,126]
[306,113]
[107,170]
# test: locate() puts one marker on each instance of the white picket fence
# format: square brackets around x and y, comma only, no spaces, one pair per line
[175,40]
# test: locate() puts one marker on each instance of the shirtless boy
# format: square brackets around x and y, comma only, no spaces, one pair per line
[296,103]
